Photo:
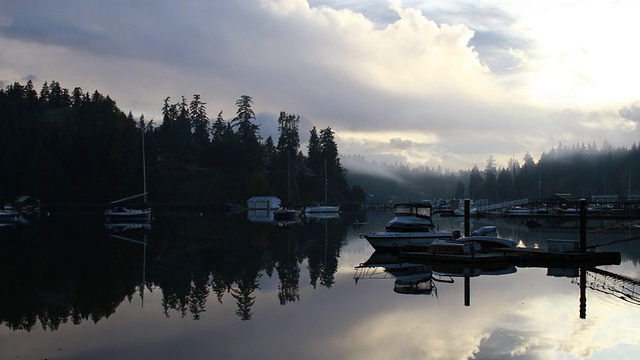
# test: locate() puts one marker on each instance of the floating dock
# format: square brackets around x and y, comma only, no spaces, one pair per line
[519,257]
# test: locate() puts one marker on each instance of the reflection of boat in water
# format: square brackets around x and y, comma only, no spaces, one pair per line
[124,226]
[467,270]
[412,225]
[419,277]
[419,287]
[410,278]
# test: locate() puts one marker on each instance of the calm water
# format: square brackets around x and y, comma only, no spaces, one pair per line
[217,286]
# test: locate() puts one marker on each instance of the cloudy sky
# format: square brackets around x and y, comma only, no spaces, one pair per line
[442,83]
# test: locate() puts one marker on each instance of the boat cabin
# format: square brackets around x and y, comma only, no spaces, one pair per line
[26,204]
[413,209]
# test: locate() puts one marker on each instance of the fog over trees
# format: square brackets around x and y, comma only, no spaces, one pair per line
[581,170]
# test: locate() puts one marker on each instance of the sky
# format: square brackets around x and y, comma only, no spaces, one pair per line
[438,83]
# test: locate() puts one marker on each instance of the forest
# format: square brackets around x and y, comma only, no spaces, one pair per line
[575,171]
[79,148]
[75,147]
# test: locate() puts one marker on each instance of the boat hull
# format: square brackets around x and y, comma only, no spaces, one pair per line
[128,215]
[285,215]
[398,240]
[322,210]
[8,216]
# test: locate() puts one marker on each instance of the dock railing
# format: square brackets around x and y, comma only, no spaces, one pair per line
[503,205]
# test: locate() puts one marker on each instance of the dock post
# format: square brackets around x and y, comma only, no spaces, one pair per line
[583,293]
[467,290]
[467,211]
[583,225]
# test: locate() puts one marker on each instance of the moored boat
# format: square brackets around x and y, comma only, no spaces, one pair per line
[127,214]
[283,214]
[122,213]
[460,211]
[411,225]
[323,208]
[470,244]
[8,216]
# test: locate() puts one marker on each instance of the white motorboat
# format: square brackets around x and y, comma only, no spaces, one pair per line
[469,245]
[412,225]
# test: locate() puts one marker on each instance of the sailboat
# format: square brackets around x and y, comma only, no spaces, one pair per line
[122,214]
[285,215]
[323,209]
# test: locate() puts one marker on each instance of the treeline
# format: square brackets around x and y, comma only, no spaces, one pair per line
[580,170]
[77,147]
[66,146]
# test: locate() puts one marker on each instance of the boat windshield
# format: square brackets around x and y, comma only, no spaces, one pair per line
[409,209]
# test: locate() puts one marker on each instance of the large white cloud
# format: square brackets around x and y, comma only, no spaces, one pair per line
[451,82]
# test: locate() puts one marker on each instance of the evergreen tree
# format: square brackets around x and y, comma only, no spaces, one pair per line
[490,178]
[336,176]
[183,128]
[200,123]
[289,139]
[222,143]
[284,168]
[459,190]
[247,134]
[476,183]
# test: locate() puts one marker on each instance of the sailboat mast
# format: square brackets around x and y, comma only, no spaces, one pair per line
[289,177]
[326,184]
[144,172]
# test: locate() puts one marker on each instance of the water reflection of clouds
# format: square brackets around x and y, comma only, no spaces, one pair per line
[528,316]
[525,316]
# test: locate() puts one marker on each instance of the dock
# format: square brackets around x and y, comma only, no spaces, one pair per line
[520,257]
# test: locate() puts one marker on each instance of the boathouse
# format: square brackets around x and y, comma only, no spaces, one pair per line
[263,203]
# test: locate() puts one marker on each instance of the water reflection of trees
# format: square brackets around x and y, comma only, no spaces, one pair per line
[232,258]
[61,273]
[69,270]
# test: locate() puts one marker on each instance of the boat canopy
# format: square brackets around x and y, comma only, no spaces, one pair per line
[412,209]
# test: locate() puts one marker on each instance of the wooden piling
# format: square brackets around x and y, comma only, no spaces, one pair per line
[583,225]
[467,218]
